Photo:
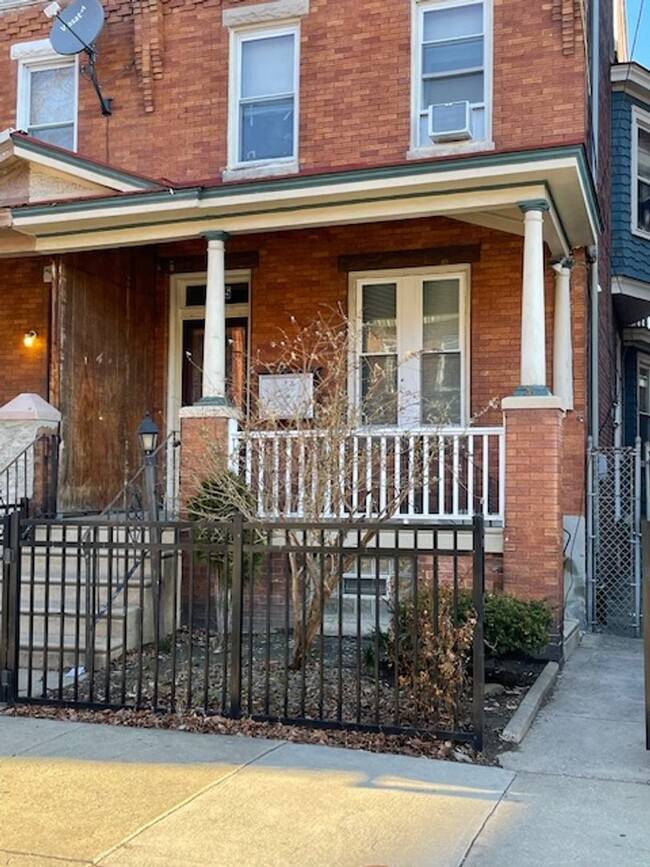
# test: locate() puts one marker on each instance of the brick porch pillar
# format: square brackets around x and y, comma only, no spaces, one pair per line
[532,551]
[206,437]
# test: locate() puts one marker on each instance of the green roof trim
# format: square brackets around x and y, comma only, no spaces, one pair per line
[301,182]
[280,209]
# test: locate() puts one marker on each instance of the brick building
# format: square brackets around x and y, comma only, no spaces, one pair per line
[437,168]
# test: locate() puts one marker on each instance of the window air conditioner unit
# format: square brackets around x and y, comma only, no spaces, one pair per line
[450,121]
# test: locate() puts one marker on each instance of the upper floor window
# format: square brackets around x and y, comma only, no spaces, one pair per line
[452,72]
[642,180]
[411,338]
[47,94]
[264,113]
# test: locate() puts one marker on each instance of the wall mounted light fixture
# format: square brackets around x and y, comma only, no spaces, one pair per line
[29,338]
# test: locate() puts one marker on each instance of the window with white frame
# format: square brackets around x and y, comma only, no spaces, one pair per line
[264,110]
[47,94]
[452,47]
[411,347]
[641,181]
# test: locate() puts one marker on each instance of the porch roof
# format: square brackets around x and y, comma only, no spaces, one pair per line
[483,189]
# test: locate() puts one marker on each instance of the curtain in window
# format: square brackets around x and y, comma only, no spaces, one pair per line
[267,98]
[379,354]
[51,105]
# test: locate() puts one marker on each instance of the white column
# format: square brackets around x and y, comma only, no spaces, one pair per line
[562,342]
[533,336]
[214,347]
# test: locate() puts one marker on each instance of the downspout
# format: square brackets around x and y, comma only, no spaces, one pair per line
[595,81]
[593,540]
[594,385]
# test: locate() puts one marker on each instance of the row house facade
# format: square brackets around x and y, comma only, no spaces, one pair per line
[436,169]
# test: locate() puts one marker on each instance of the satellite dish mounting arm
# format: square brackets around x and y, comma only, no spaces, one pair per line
[89,71]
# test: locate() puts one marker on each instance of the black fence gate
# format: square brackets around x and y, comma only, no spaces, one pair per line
[365,625]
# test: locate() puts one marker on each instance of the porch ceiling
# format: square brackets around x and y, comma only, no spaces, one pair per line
[485,190]
[631,300]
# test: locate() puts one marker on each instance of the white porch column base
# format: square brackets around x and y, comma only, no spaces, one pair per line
[214,346]
[562,341]
[533,333]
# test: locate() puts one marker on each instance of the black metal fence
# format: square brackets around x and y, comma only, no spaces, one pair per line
[32,477]
[368,626]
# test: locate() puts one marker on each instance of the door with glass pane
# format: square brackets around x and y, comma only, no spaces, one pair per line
[236,367]
[411,350]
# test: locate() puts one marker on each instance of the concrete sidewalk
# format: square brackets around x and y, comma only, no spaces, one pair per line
[93,794]
[581,794]
[575,793]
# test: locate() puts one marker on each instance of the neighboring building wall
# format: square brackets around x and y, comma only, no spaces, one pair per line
[25,307]
[609,388]
[166,67]
[630,253]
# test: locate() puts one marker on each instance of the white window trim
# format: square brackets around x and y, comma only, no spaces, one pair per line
[357,278]
[642,361]
[35,55]
[640,120]
[416,150]
[180,313]
[277,165]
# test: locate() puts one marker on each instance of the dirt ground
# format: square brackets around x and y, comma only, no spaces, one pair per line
[507,684]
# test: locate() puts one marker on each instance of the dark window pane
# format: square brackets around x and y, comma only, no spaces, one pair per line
[453,89]
[236,293]
[195,296]
[644,206]
[266,130]
[452,56]
[379,316]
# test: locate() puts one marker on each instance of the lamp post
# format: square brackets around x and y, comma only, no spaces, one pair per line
[148,435]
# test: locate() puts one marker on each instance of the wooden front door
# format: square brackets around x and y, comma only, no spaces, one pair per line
[236,364]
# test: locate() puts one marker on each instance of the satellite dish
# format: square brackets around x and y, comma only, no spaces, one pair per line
[76,27]
[74,30]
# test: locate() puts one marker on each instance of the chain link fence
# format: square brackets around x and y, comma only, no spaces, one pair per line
[614,526]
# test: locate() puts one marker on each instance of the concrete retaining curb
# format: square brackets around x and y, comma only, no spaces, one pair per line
[514,732]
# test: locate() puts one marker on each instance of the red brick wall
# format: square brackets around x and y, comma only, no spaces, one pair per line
[355,82]
[533,538]
[298,274]
[25,306]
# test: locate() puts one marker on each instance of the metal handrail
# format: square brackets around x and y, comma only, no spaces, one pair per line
[131,514]
[16,475]
[129,494]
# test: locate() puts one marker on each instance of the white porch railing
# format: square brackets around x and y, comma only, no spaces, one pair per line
[448,474]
